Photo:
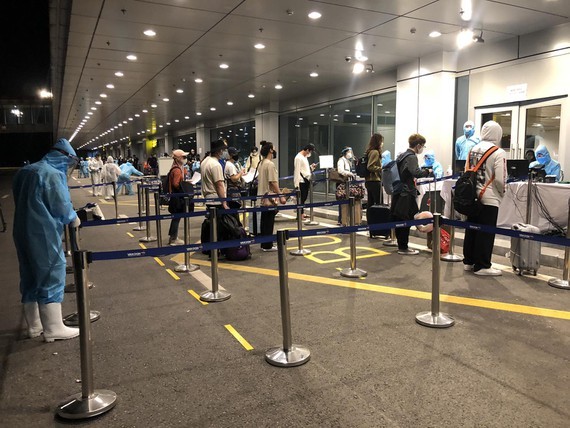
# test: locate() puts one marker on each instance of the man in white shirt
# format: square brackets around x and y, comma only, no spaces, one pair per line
[303,171]
[213,182]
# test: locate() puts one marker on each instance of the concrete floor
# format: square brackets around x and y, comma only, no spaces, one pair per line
[172,362]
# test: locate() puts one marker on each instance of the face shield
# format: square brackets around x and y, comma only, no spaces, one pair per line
[72,161]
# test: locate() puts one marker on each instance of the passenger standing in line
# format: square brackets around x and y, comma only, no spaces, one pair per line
[252,160]
[268,183]
[176,176]
[110,174]
[372,181]
[345,167]
[233,178]
[213,183]
[404,205]
[302,172]
[95,168]
[43,208]
[491,183]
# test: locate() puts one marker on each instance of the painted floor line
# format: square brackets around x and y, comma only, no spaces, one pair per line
[238,337]
[130,234]
[173,275]
[204,280]
[466,301]
[197,297]
[160,263]
[142,246]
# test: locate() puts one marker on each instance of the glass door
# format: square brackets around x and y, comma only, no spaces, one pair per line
[508,118]
[540,125]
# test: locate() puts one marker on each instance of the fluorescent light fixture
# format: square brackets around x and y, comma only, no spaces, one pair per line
[119,74]
[314,15]
[435,34]
[180,91]
[466,11]
[198,80]
[149,32]
[223,65]
[358,68]
[464,38]
[132,57]
[314,74]
[259,46]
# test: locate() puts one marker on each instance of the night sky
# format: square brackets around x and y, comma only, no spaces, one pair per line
[25,62]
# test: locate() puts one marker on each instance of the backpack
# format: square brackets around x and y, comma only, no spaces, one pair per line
[362,166]
[241,252]
[466,201]
[391,176]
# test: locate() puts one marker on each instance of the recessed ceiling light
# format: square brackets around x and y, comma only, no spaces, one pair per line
[230,103]
[301,118]
[103,95]
[314,15]
[165,100]
[314,74]
[224,65]
[110,86]
[180,91]
[250,95]
[124,121]
[176,120]
[198,80]
[130,118]
[347,110]
[137,115]
[212,108]
[116,127]
[149,33]
[145,111]
[379,104]
[119,74]
[435,34]
[132,57]
[358,68]
[89,113]
[153,106]
[278,86]
[120,124]
[198,113]
[168,123]
[93,108]
[186,117]
[315,123]
[148,130]
[387,112]
[259,46]
[98,103]
[160,126]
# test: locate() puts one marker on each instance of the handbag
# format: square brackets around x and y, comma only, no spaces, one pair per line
[354,190]
[336,176]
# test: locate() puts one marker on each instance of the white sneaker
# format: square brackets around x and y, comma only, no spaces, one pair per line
[489,272]
[468,268]
[269,250]
[175,241]
[408,252]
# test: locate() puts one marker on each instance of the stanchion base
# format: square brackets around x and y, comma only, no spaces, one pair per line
[559,283]
[76,407]
[439,320]
[72,320]
[186,268]
[300,252]
[296,356]
[139,228]
[147,239]
[311,223]
[390,243]
[218,296]
[451,258]
[353,273]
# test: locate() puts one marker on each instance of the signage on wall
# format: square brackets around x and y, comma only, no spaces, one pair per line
[516,92]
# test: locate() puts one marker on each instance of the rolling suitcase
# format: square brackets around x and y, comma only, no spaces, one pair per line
[378,214]
[525,254]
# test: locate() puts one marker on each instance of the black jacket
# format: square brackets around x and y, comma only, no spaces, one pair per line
[409,169]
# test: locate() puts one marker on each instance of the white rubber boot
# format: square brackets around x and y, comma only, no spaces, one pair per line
[32,316]
[52,321]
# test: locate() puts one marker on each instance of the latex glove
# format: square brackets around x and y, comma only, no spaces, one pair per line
[76,223]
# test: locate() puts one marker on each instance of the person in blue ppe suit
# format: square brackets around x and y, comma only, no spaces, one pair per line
[431,163]
[127,169]
[84,168]
[43,208]
[386,158]
[551,167]
[466,142]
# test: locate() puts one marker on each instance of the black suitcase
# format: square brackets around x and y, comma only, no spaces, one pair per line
[378,214]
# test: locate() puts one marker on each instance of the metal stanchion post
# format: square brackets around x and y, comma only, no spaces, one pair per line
[90,402]
[115,199]
[352,271]
[435,318]
[300,251]
[529,199]
[187,266]
[311,221]
[563,283]
[158,222]
[216,295]
[451,256]
[392,241]
[140,227]
[289,355]
[327,185]
[148,237]
[66,242]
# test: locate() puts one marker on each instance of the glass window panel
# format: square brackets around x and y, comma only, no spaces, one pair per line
[504,119]
[240,135]
[385,107]
[542,126]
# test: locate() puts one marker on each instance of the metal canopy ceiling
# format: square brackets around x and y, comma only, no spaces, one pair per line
[194,36]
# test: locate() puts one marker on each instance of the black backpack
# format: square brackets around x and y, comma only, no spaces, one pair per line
[466,200]
[362,166]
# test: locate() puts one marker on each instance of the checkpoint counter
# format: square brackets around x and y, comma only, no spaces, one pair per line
[549,204]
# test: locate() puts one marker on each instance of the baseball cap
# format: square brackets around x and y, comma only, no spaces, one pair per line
[233,151]
[179,153]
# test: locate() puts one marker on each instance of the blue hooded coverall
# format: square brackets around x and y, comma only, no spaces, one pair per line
[43,207]
[127,169]
[430,162]
[551,167]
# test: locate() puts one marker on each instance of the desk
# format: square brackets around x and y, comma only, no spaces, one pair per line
[554,198]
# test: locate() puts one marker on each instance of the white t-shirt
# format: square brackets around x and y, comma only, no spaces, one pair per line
[301,167]
[230,170]
[212,172]
[267,171]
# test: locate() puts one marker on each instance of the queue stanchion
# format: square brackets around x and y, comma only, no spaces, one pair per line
[563,283]
[451,256]
[148,237]
[72,320]
[66,242]
[352,271]
[311,221]
[289,355]
[140,227]
[435,318]
[158,222]
[300,251]
[392,241]
[214,295]
[115,199]
[187,266]
[529,198]
[89,402]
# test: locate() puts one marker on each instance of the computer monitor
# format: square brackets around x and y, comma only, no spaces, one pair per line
[459,166]
[517,169]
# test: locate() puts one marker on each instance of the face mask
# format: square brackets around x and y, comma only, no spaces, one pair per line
[184,161]
[468,132]
[420,150]
[236,157]
[225,154]
[543,160]
[349,155]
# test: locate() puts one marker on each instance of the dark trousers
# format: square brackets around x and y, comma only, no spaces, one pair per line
[374,189]
[478,246]
[266,226]
[173,229]
[304,188]
[403,233]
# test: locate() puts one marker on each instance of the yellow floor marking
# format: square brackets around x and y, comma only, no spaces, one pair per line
[467,301]
[156,259]
[142,245]
[343,255]
[172,274]
[239,337]
[333,239]
[196,296]
[130,234]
